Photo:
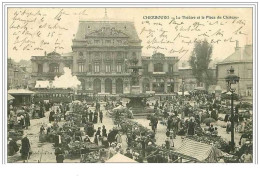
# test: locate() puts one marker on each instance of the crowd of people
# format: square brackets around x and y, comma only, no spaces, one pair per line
[77,125]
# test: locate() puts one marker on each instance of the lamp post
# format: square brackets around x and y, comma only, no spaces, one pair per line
[232,79]
[183,83]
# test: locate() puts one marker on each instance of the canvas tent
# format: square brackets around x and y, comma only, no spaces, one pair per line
[10,97]
[119,158]
[198,152]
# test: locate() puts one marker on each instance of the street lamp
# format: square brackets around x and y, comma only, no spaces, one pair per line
[183,86]
[232,79]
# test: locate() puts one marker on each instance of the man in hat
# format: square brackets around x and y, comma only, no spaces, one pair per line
[128,153]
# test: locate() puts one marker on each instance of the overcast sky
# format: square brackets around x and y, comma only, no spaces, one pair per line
[33,38]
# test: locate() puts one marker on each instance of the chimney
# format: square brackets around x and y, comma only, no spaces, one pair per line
[45,53]
[237,45]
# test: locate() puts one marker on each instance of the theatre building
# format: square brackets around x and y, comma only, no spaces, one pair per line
[101,52]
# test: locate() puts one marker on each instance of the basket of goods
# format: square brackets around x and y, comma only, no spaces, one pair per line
[92,157]
[230,159]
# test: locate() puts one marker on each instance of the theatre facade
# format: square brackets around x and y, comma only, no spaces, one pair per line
[101,54]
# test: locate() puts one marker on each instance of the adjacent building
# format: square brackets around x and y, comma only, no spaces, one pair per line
[17,77]
[160,74]
[190,82]
[47,66]
[242,61]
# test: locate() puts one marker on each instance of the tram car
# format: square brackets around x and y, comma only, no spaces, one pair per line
[53,95]
[56,95]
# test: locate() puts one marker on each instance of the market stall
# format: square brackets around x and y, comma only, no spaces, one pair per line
[21,96]
[199,152]
[119,158]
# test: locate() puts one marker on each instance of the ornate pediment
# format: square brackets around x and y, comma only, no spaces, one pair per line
[107,32]
[53,55]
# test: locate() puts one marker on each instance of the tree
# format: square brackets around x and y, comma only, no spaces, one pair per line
[199,62]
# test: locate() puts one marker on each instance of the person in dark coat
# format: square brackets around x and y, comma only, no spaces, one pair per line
[214,115]
[191,128]
[25,150]
[59,155]
[12,147]
[95,117]
[97,136]
[101,116]
[226,117]
[169,123]
[27,120]
[110,137]
[51,118]
[90,116]
[104,131]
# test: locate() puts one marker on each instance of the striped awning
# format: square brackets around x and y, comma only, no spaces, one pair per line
[199,151]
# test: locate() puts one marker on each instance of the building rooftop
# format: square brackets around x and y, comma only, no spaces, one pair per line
[244,54]
[107,28]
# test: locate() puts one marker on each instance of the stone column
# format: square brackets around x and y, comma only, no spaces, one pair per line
[102,85]
[113,86]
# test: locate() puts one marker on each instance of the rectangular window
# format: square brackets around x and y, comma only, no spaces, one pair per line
[119,68]
[81,67]
[96,41]
[108,68]
[56,69]
[108,41]
[97,68]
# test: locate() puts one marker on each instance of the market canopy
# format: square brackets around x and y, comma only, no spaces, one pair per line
[10,97]
[20,92]
[200,151]
[120,158]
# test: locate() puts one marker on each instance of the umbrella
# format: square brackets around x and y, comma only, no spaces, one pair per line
[77,102]
[209,120]
[120,107]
